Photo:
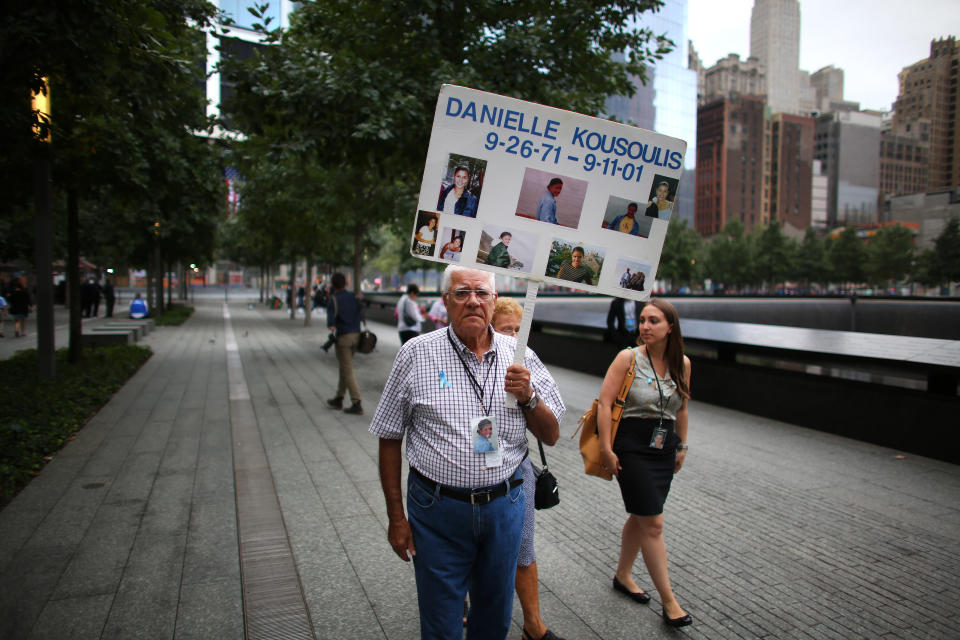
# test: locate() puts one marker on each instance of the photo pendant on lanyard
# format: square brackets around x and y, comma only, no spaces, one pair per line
[659,435]
[484,432]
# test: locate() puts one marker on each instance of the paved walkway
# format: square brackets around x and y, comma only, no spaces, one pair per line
[146,524]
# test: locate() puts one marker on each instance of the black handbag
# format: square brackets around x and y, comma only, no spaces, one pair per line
[547,490]
[408,318]
[368,341]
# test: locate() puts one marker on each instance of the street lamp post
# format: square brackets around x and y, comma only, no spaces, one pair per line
[43,236]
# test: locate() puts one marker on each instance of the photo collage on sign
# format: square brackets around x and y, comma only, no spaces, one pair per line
[544,197]
[536,192]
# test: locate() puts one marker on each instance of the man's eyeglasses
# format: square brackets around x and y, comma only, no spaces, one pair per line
[462,295]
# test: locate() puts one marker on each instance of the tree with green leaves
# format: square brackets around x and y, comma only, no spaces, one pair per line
[941,264]
[351,86]
[947,251]
[889,255]
[393,256]
[122,78]
[729,257]
[773,255]
[811,259]
[681,251]
[847,257]
[925,269]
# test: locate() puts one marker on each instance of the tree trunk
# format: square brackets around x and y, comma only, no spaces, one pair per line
[73,277]
[269,293]
[158,269]
[308,291]
[357,258]
[43,256]
[170,285]
[182,277]
[148,285]
[268,277]
[292,289]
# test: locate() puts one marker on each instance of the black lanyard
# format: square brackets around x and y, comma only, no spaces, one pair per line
[478,389]
[657,378]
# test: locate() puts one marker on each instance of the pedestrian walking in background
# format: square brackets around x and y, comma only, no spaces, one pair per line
[616,320]
[109,297]
[319,296]
[87,292]
[438,313]
[507,316]
[20,307]
[465,509]
[97,292]
[343,318]
[649,447]
[409,320]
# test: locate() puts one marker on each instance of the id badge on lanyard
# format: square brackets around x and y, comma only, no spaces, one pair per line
[485,434]
[659,436]
[486,440]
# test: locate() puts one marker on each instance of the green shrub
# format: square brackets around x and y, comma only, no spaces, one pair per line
[37,418]
[174,314]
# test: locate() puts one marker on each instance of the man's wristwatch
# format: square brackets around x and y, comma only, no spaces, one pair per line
[532,402]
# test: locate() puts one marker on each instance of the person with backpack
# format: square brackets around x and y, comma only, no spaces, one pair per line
[343,318]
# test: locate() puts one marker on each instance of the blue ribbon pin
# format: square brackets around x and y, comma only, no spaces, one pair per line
[443,380]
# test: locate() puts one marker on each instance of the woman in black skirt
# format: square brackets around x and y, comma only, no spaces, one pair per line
[649,447]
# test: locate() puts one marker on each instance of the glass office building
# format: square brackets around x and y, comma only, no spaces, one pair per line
[237,40]
[667,104]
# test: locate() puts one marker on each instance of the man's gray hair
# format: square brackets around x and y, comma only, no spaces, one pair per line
[453,268]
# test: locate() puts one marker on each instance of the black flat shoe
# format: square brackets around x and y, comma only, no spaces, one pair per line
[682,621]
[643,597]
[549,635]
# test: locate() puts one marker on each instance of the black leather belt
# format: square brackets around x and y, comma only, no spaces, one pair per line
[474,497]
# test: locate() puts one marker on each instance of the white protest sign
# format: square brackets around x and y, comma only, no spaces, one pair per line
[545,194]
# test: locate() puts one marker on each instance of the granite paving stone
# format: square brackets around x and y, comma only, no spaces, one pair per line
[210,610]
[99,560]
[77,618]
[146,600]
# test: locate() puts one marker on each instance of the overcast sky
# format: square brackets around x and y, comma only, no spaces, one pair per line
[871,40]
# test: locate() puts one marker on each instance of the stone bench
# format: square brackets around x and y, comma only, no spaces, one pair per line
[139,329]
[148,324]
[107,338]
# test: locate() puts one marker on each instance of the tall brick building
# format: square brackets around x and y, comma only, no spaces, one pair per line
[790,170]
[904,162]
[730,156]
[930,97]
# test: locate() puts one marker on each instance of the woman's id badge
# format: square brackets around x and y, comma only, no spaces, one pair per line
[658,437]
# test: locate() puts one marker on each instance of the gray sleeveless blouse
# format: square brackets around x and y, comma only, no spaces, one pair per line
[643,401]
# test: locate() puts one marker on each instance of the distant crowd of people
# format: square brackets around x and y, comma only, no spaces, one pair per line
[17,303]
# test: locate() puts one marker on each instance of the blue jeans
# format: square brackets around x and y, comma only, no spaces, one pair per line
[464,547]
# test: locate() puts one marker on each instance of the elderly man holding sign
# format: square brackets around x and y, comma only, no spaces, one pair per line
[465,396]
[465,507]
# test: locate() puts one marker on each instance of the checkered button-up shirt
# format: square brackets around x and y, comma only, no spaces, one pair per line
[431,397]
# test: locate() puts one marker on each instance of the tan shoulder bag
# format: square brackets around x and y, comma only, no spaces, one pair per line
[590,434]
